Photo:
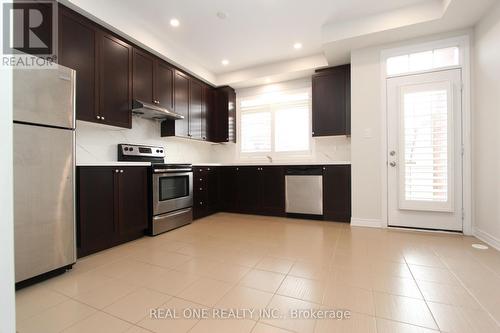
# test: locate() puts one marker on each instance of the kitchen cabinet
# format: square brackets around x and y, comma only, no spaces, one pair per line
[253,190]
[115,80]
[205,191]
[331,101]
[164,84]
[272,190]
[207,112]
[152,79]
[103,64]
[224,116]
[77,47]
[248,192]
[195,110]
[337,193]
[112,206]
[181,104]
[228,189]
[143,76]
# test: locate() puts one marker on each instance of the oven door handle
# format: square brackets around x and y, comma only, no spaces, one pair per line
[172,170]
[170,214]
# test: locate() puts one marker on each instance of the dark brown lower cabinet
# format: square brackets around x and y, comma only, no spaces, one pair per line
[112,206]
[261,190]
[252,190]
[205,191]
[337,193]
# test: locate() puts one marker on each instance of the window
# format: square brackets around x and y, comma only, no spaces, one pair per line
[276,123]
[421,61]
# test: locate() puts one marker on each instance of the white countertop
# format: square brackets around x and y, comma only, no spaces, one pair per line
[274,163]
[114,163]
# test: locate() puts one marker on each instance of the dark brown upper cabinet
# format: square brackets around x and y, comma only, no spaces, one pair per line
[195,110]
[207,109]
[181,104]
[164,84]
[152,79]
[143,76]
[103,64]
[223,124]
[115,80]
[77,50]
[331,101]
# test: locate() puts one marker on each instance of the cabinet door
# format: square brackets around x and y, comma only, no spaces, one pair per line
[329,101]
[248,189]
[133,202]
[181,103]
[200,192]
[337,193]
[207,112]
[213,189]
[195,110]
[272,190]
[228,189]
[115,84]
[164,87]
[77,51]
[220,130]
[96,224]
[143,76]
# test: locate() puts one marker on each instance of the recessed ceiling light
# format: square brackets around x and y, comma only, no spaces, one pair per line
[221,15]
[297,46]
[225,62]
[174,22]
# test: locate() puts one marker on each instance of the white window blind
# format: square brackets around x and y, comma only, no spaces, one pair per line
[426,127]
[277,123]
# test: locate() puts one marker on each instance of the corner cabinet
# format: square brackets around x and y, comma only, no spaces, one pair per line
[331,101]
[223,122]
[112,206]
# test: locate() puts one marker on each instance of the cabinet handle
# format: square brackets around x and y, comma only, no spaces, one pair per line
[324,168]
[121,171]
[201,188]
[102,117]
[208,169]
[237,169]
[116,171]
[312,132]
[201,203]
[201,179]
[204,138]
[98,117]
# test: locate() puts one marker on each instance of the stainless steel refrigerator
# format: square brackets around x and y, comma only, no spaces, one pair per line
[44,171]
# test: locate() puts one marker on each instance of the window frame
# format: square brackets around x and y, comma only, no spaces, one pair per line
[273,155]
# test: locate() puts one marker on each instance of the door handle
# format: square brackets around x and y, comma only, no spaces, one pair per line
[392,153]
[392,164]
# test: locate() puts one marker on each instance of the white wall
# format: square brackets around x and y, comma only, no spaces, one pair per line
[486,128]
[367,131]
[7,300]
[98,143]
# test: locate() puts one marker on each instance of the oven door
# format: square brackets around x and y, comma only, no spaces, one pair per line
[172,191]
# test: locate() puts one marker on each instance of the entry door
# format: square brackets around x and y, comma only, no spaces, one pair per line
[425,151]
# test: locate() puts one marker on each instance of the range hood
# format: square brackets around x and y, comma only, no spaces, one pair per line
[153,111]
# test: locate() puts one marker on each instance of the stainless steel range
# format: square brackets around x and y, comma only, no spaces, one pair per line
[170,187]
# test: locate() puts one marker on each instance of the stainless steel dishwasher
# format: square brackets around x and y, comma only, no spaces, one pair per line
[304,190]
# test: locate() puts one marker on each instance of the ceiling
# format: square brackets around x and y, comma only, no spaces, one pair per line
[258,34]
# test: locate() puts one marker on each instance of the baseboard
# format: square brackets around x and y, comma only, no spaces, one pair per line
[370,223]
[487,238]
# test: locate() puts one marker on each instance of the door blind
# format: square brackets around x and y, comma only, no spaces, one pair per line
[426,153]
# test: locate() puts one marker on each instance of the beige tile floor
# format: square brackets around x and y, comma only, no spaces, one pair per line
[390,280]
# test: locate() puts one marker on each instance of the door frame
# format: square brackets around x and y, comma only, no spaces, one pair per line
[463,42]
